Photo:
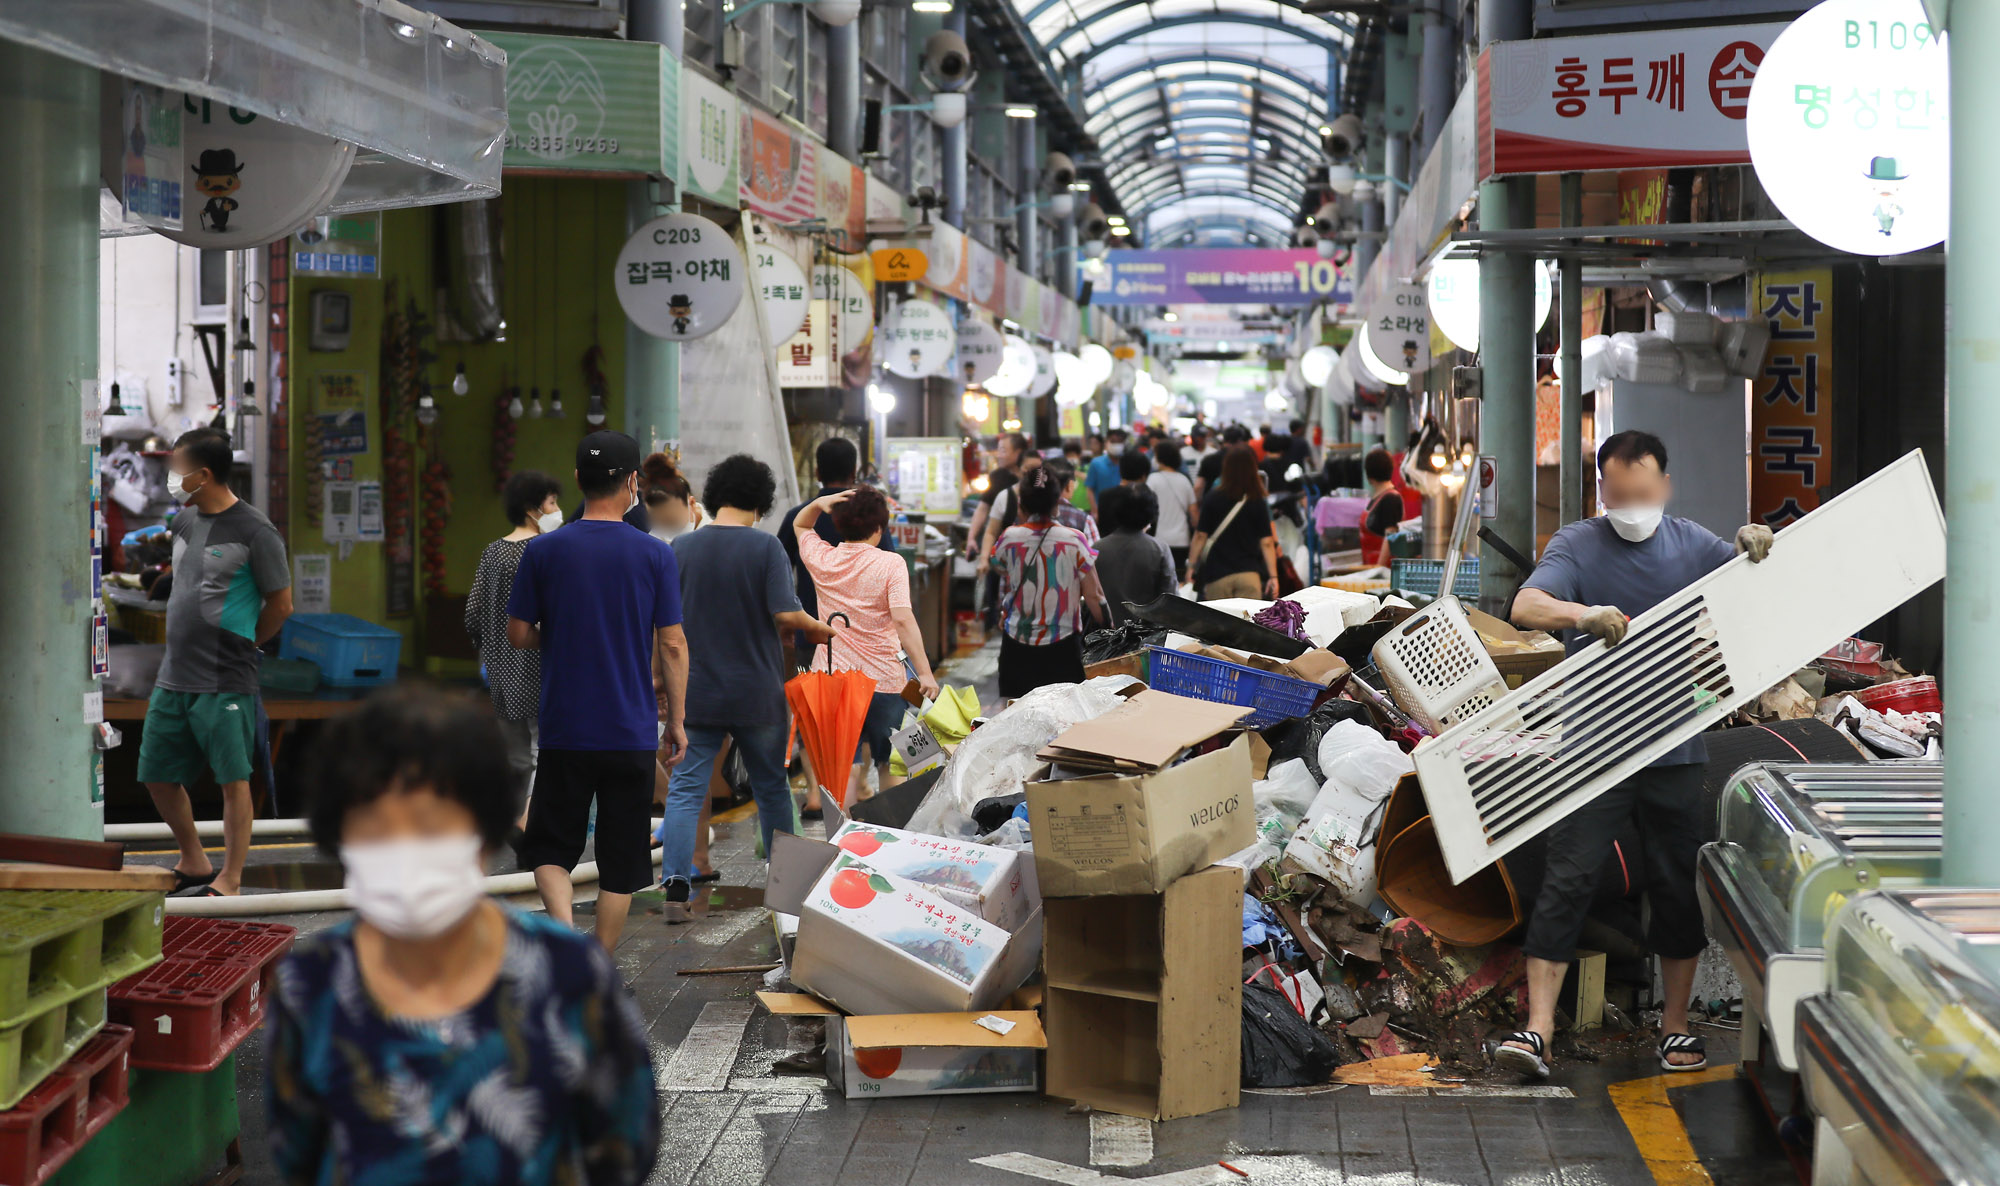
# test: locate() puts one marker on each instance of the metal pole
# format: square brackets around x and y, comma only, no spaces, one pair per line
[661,21]
[955,143]
[1569,499]
[843,90]
[652,365]
[1972,526]
[1028,191]
[1436,73]
[48,296]
[1066,259]
[1507,344]
[1396,164]
[1396,423]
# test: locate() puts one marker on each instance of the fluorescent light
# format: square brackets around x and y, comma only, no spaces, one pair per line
[1020,111]
[1326,129]
[931,6]
[1081,187]
[1115,219]
[1170,315]
[1121,231]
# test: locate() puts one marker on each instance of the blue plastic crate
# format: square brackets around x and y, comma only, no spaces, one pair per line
[350,652]
[1273,697]
[1421,578]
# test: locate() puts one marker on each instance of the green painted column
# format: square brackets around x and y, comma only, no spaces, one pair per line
[652,365]
[1395,422]
[48,301]
[1972,476]
[1507,360]
[1569,499]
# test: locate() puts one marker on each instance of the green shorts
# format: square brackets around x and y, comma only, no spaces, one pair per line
[187,733]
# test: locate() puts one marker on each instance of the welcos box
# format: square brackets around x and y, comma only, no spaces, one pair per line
[997,884]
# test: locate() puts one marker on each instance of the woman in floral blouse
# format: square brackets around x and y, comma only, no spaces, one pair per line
[441,1037]
[1046,582]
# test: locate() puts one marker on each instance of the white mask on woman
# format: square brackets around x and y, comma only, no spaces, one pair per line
[415,888]
[1635,525]
[549,522]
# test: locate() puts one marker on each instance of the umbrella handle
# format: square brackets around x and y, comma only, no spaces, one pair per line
[844,621]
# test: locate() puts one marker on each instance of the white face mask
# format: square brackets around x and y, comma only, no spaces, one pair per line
[416,888]
[668,534]
[1635,524]
[177,487]
[550,521]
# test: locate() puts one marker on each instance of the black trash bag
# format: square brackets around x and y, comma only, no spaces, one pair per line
[989,814]
[1280,1048]
[1299,736]
[1122,639]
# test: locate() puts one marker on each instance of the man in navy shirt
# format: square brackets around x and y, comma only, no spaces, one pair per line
[597,598]
[1594,576]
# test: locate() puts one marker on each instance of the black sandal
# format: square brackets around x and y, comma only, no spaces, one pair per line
[1683,1044]
[1528,1059]
[187,881]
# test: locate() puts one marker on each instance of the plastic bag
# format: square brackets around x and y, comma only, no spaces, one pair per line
[1281,799]
[1299,737]
[1000,756]
[1281,1048]
[1123,639]
[1362,760]
[1262,928]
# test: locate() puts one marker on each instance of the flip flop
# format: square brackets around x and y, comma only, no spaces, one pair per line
[186,881]
[1673,1044]
[1530,1061]
[204,890]
[711,875]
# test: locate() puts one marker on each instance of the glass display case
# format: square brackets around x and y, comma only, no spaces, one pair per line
[1900,1055]
[1797,843]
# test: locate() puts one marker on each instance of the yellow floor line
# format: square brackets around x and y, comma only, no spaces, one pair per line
[741,811]
[1657,1129]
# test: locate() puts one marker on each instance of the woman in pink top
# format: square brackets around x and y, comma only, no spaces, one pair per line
[872,588]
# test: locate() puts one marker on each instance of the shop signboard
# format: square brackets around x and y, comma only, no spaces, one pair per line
[928,473]
[985,284]
[946,248]
[253,179]
[590,105]
[153,170]
[1399,328]
[1221,276]
[780,168]
[841,289]
[1791,397]
[782,290]
[679,277]
[916,339]
[900,264]
[1234,330]
[843,199]
[1045,370]
[808,359]
[1016,296]
[708,140]
[349,245]
[981,349]
[1628,100]
[1849,127]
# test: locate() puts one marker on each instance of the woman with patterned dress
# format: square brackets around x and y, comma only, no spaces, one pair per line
[1047,580]
[439,1036]
[513,676]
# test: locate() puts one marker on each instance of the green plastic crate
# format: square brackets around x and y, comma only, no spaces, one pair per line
[56,945]
[176,1128]
[30,1051]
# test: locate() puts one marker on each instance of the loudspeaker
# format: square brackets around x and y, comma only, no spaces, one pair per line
[871,128]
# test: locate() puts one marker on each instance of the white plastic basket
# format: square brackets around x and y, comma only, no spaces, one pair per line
[1436,667]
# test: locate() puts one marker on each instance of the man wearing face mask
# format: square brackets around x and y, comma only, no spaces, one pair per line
[1593,578]
[232,592]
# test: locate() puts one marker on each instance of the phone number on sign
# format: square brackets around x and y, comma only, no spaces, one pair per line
[563,144]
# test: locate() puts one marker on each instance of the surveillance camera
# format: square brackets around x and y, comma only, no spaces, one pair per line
[1093,250]
[1341,137]
[1306,236]
[1092,224]
[1327,215]
[947,61]
[925,198]
[836,12]
[1059,173]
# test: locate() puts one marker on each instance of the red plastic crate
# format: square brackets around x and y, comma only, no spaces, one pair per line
[188,937]
[190,1014]
[53,1121]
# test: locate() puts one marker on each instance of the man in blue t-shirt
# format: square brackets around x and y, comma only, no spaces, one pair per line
[1102,473]
[737,586]
[598,599]
[1594,576]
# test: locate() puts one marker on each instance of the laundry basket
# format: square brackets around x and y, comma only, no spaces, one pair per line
[1436,667]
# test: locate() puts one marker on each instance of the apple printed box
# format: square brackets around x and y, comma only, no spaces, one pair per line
[872,942]
[998,884]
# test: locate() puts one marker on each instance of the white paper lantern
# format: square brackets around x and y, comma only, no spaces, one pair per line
[1099,360]
[1017,367]
[1316,365]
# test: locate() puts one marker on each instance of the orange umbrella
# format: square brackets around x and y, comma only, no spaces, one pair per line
[830,707]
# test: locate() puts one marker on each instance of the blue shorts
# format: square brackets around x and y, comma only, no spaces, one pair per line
[885,716]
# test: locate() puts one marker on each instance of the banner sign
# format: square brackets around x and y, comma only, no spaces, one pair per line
[153,168]
[591,105]
[1791,398]
[1627,100]
[780,168]
[708,140]
[1220,276]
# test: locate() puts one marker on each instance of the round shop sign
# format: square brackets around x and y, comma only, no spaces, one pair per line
[1045,371]
[854,313]
[679,277]
[252,179]
[1849,126]
[782,290]
[981,349]
[1453,291]
[1016,375]
[1399,328]
[1124,377]
[916,339]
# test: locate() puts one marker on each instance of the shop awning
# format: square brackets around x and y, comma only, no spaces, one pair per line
[421,98]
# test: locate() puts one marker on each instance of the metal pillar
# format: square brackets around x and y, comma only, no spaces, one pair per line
[1437,70]
[1396,164]
[48,295]
[1972,505]
[1066,259]
[1369,245]
[652,365]
[662,21]
[955,143]
[1395,422]
[1507,344]
[1569,499]
[1028,191]
[843,90]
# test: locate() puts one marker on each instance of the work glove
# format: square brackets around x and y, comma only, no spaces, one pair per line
[1754,540]
[1606,622]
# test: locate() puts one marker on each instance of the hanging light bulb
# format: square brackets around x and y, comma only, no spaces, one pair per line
[593,413]
[534,403]
[114,408]
[244,343]
[555,403]
[427,411]
[459,384]
[514,406]
[247,406]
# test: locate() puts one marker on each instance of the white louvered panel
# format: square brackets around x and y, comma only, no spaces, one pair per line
[1505,775]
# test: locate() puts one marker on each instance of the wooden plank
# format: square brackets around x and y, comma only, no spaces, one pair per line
[131,877]
[56,850]
[1589,990]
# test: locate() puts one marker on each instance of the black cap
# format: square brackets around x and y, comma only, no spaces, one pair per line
[605,452]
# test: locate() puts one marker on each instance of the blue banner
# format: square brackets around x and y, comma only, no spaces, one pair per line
[1221,276]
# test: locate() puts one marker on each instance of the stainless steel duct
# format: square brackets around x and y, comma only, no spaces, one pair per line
[472,245]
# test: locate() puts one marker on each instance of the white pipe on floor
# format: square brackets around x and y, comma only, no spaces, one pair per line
[207,827]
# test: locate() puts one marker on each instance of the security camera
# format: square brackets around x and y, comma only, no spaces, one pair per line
[1306,236]
[836,12]
[1092,224]
[948,61]
[1059,173]
[1340,138]
[1093,250]
[1327,215]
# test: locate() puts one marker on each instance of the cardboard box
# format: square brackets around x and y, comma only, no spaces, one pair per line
[1136,831]
[1520,655]
[914,1054]
[998,884]
[1315,666]
[1145,998]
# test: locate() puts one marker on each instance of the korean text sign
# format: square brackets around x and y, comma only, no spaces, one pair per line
[1221,276]
[1791,398]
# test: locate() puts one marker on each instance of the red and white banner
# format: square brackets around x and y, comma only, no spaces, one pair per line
[1619,100]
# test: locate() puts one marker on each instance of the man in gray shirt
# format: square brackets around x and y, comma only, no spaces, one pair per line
[232,591]
[1594,576]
